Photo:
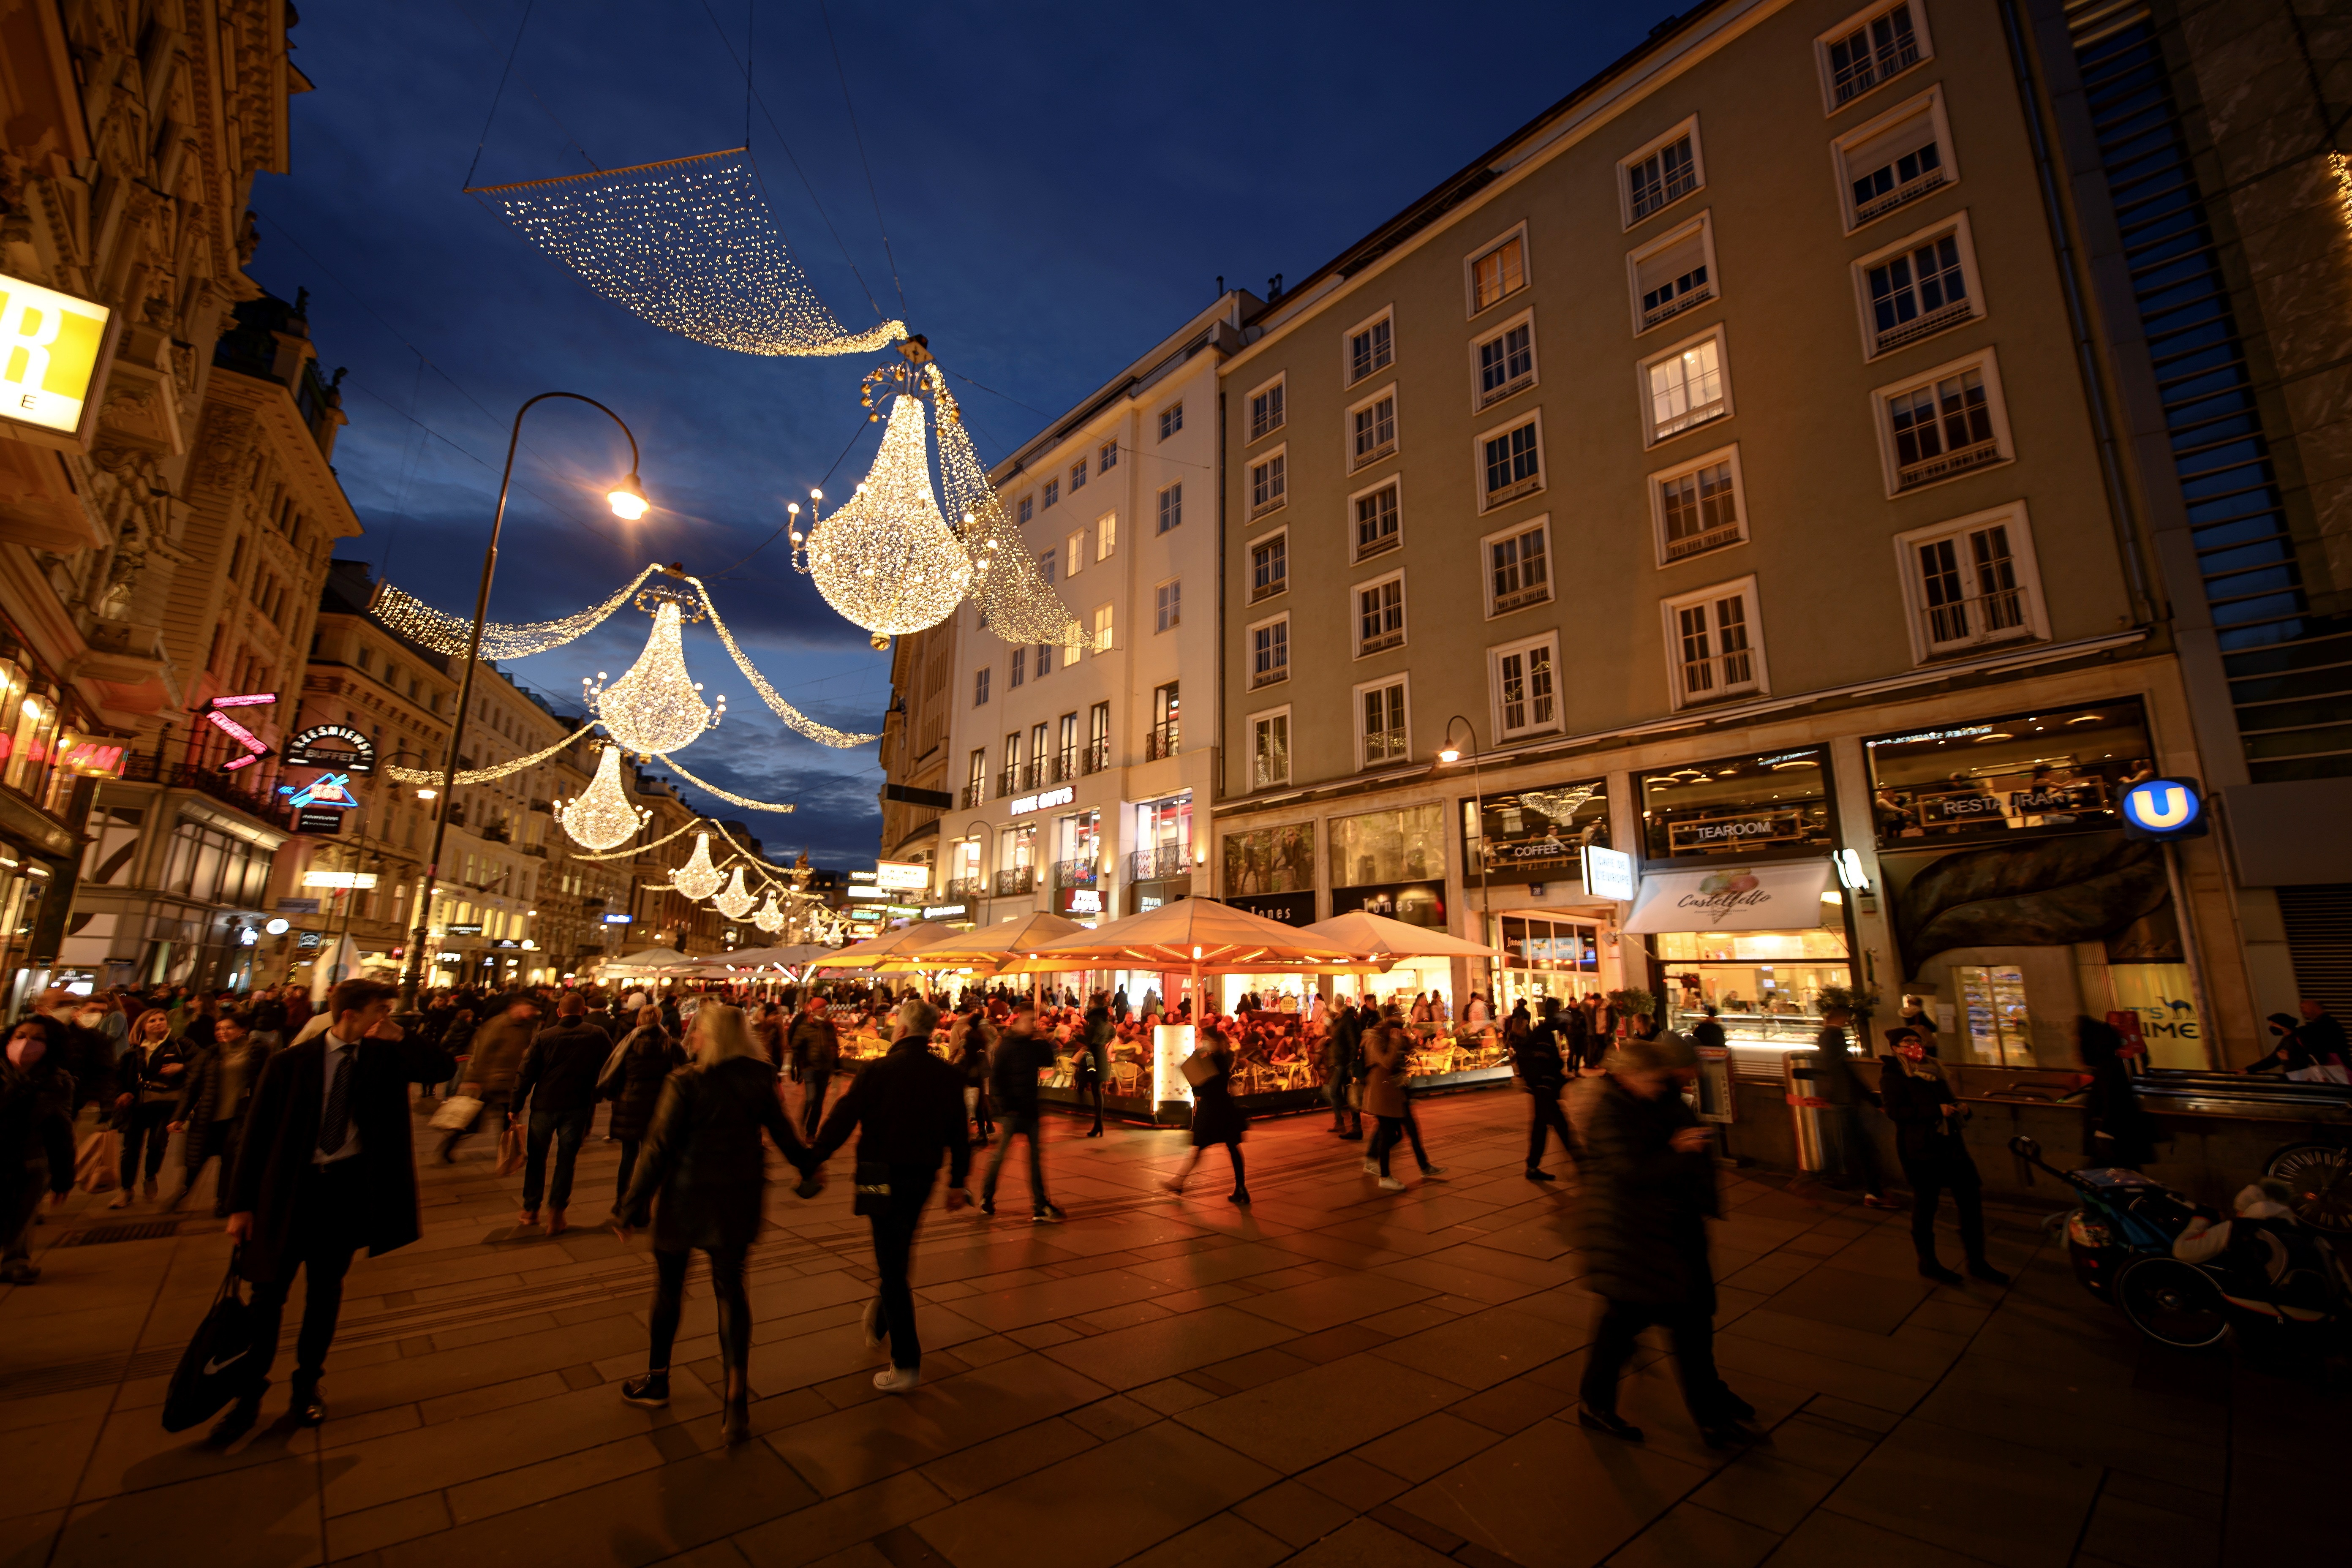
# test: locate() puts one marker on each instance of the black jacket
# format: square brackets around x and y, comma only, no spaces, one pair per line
[142,1075]
[1216,1119]
[1536,1059]
[1012,1073]
[1915,1105]
[562,1066]
[36,1125]
[1646,1205]
[649,1056]
[815,1045]
[1837,1077]
[906,1109]
[702,1156]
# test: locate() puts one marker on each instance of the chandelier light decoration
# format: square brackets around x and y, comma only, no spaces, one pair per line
[656,707]
[483,775]
[771,915]
[687,245]
[603,816]
[888,561]
[697,879]
[737,901]
[730,797]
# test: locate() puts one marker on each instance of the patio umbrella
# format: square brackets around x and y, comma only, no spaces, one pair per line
[652,960]
[993,949]
[1361,932]
[905,941]
[1197,936]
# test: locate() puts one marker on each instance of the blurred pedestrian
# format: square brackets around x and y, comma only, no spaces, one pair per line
[1542,1071]
[2115,1131]
[1216,1119]
[214,1095]
[1927,1121]
[647,1056]
[146,1086]
[1021,1053]
[1095,1032]
[1837,1084]
[1388,1054]
[497,1050]
[36,1096]
[815,1052]
[974,1048]
[1343,1054]
[557,1082]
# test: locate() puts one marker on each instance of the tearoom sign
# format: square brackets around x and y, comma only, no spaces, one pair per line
[51,348]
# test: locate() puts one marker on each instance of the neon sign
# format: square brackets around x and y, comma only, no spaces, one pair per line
[326,790]
[254,750]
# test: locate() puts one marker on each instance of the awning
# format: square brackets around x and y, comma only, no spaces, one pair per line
[1785,896]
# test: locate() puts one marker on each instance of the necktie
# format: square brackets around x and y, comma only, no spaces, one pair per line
[335,1126]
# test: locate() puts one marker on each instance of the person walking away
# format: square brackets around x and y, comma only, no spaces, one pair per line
[1388,1054]
[906,1107]
[1649,1191]
[558,1081]
[703,1174]
[972,1054]
[1707,1033]
[214,1094]
[648,1056]
[2115,1131]
[817,1052]
[89,1055]
[1543,1072]
[1343,1053]
[1928,1118]
[37,1095]
[1839,1086]
[768,1034]
[1573,1029]
[146,1084]
[1094,1054]
[2323,1041]
[325,1166]
[1021,1053]
[1216,1119]
[499,1048]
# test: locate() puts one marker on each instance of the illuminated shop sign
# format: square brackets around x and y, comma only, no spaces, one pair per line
[51,346]
[1042,800]
[331,746]
[906,876]
[2164,808]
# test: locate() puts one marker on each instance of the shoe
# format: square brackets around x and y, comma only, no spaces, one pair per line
[121,1200]
[309,1408]
[240,1419]
[735,1420]
[1931,1270]
[1736,1408]
[1985,1271]
[988,1205]
[19,1273]
[897,1379]
[1357,1136]
[527,1217]
[651,1391]
[877,1330]
[1046,1213]
[448,1155]
[1175,1189]
[1872,1200]
[1372,1167]
[1538,1174]
[1607,1421]
[1094,1131]
[151,1189]
[1432,1169]
[556,1225]
[1390,1185]
[1241,1198]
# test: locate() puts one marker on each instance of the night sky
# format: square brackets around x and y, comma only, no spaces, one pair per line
[1061,186]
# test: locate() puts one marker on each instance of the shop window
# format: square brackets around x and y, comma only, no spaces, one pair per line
[1994,1018]
[1764,985]
[1403,845]
[1271,859]
[1777,803]
[2064,769]
[1534,834]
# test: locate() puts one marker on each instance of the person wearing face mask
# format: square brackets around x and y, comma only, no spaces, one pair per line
[146,1086]
[219,1083]
[36,1140]
[1919,1100]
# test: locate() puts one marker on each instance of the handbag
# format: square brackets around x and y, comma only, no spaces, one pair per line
[510,1152]
[210,1372]
[1198,1069]
[457,1113]
[97,1160]
[872,1196]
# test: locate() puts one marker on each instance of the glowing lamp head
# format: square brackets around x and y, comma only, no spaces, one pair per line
[628,499]
[1451,755]
[428,794]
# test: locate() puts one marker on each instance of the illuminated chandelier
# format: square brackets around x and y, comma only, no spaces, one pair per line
[656,707]
[770,917]
[737,901]
[602,818]
[888,561]
[697,879]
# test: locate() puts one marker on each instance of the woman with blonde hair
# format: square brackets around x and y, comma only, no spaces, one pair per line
[701,1158]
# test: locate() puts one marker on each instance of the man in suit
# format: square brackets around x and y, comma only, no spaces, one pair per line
[325,1168]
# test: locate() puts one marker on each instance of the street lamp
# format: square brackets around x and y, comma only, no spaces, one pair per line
[627,499]
[1452,754]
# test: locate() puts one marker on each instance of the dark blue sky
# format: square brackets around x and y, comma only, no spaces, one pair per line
[1062,186]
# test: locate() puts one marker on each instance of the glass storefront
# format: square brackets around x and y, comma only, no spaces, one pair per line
[1271,859]
[1765,985]
[1160,867]
[2058,770]
[1772,805]
[1544,958]
[1392,863]
[1533,835]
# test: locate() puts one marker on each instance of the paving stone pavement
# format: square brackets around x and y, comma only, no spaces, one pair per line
[1333,1376]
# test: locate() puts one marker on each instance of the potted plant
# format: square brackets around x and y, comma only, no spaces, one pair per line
[1633,1003]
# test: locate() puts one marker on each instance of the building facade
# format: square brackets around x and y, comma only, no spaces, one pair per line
[916,788]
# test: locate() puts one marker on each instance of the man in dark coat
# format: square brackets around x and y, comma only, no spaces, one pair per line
[1536,1058]
[324,1167]
[1345,1050]
[1094,1054]
[1837,1084]
[558,1080]
[1649,1191]
[910,1105]
[1021,1053]
[815,1046]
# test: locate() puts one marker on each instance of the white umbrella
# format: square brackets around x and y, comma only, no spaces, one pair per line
[1378,935]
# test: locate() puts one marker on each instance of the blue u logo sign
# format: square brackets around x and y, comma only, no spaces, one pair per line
[2161,805]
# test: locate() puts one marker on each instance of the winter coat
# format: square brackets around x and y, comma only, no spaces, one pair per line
[1924,1135]
[1646,1205]
[1216,1119]
[35,1131]
[1012,1072]
[702,1169]
[908,1109]
[769,1036]
[142,1074]
[816,1044]
[200,1092]
[1390,1057]
[649,1056]
[558,1071]
[499,1048]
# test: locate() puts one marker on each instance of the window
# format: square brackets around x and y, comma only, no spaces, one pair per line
[1674,274]
[1518,567]
[1020,667]
[1686,386]
[1525,684]
[1372,429]
[1371,348]
[1168,604]
[1948,423]
[1697,506]
[1380,615]
[1269,483]
[1895,160]
[1381,712]
[1009,779]
[1662,173]
[1970,582]
[366,656]
[1103,641]
[1077,476]
[1097,738]
[1033,775]
[1269,644]
[1270,567]
[1172,507]
[1269,749]
[1713,644]
[1045,566]
[1498,272]
[980,686]
[1869,49]
[1044,659]
[1510,463]
[1918,288]
[1053,491]
[1265,414]
[1106,535]
[1066,759]
[1028,507]
[1167,728]
[1172,419]
[1107,458]
[1503,361]
[1073,550]
[1376,520]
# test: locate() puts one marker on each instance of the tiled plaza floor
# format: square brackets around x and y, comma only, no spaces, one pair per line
[1334,1376]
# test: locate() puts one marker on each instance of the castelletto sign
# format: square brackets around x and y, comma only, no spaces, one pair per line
[1785,896]
[331,746]
[1042,801]
[52,347]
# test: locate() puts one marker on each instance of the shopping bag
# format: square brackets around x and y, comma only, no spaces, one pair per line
[98,1161]
[509,1150]
[457,1114]
[1198,1069]
[211,1370]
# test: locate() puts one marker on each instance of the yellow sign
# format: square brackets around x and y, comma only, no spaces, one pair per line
[48,355]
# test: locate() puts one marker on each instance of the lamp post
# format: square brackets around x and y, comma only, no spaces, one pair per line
[627,499]
[1452,754]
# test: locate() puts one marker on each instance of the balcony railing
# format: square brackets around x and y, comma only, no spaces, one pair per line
[1066,766]
[972,795]
[1268,677]
[1076,873]
[1007,782]
[1270,588]
[967,888]
[234,789]
[1700,543]
[1674,307]
[536,850]
[1169,863]
[1096,757]
[1909,191]
[1967,622]
[1518,384]
[1367,455]
[1959,460]
[1033,775]
[1918,326]
[1160,740]
[1514,490]
[1385,640]
[1520,598]
[1015,880]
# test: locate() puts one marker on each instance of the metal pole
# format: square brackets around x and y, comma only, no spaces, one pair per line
[413,973]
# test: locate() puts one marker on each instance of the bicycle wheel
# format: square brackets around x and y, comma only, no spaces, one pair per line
[2321,1175]
[2172,1302]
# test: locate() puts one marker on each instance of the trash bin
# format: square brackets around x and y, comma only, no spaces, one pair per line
[1797,1070]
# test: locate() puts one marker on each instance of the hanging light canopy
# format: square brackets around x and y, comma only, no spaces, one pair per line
[697,879]
[737,901]
[602,818]
[770,917]
[887,560]
[655,706]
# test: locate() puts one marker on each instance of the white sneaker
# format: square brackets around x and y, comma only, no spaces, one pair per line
[1372,1167]
[1390,1185]
[897,1380]
[121,1200]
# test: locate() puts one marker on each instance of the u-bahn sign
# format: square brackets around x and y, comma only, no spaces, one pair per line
[331,746]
